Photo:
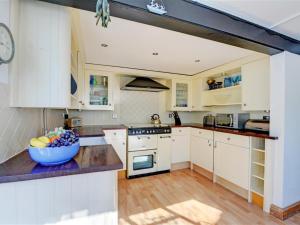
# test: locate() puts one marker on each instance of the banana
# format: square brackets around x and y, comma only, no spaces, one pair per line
[44,139]
[37,143]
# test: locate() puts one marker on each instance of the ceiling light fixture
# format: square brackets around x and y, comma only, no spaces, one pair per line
[104,45]
[197,60]
[155,53]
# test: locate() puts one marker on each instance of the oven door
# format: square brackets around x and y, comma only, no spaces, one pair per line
[142,162]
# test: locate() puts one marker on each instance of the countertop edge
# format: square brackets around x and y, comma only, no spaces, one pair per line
[229,131]
[111,163]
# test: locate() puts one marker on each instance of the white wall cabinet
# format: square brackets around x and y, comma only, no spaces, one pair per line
[197,87]
[180,95]
[98,90]
[256,86]
[202,150]
[40,73]
[180,145]
[232,158]
[118,139]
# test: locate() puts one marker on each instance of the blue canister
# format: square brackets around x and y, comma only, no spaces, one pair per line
[227,82]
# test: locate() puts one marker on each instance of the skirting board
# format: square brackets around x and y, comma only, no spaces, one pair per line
[285,213]
[232,187]
[203,171]
[180,165]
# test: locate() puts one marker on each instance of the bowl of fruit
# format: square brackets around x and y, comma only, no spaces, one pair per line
[55,148]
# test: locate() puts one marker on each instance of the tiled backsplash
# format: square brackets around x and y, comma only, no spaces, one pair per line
[134,107]
[17,126]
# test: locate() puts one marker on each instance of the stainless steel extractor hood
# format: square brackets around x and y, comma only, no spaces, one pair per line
[144,84]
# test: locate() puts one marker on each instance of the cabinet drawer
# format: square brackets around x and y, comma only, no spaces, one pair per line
[202,133]
[233,139]
[115,133]
[142,142]
[181,131]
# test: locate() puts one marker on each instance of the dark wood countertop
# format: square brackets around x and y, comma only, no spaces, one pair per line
[227,130]
[88,160]
[97,130]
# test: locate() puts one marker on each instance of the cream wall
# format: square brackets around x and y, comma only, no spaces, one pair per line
[285,123]
[17,125]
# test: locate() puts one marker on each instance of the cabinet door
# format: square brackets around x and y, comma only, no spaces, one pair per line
[202,152]
[164,152]
[41,73]
[256,86]
[98,90]
[181,95]
[232,163]
[180,148]
[120,147]
[197,95]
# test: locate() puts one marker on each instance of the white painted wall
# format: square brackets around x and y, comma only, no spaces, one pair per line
[285,123]
[17,125]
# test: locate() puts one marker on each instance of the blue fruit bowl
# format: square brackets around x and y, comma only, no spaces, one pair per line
[53,156]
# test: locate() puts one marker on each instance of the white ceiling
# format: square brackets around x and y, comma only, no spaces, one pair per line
[131,44]
[282,16]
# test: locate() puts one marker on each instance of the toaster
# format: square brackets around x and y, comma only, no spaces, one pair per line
[74,122]
[209,120]
[262,126]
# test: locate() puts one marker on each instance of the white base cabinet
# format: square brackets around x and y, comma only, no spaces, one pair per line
[202,150]
[77,199]
[180,145]
[231,160]
[164,152]
[118,139]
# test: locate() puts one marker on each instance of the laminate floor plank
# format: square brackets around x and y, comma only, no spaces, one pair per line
[184,197]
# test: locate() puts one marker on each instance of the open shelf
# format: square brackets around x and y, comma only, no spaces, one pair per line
[222,96]
[258,172]
[258,163]
[223,89]
[258,150]
[257,186]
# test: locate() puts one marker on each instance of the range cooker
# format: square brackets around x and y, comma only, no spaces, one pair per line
[149,149]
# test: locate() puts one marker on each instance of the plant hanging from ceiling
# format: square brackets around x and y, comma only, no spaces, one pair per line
[102,12]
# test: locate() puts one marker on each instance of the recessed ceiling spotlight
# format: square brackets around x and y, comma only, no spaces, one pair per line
[155,53]
[197,60]
[104,45]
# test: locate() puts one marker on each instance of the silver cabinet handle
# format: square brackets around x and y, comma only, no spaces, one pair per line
[228,139]
[165,137]
[155,158]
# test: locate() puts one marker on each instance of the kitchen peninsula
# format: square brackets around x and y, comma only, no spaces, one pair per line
[82,191]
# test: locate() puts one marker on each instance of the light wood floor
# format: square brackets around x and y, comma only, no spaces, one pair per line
[185,197]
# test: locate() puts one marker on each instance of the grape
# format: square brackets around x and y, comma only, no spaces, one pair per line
[58,145]
[55,142]
[67,136]
[66,143]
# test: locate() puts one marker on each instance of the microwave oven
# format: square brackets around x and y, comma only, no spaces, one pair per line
[232,120]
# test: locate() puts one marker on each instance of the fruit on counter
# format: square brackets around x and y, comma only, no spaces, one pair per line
[56,138]
[44,139]
[37,143]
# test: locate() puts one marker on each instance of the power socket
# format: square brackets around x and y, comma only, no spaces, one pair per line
[115,116]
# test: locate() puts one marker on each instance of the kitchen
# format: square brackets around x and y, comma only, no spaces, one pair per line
[162,105]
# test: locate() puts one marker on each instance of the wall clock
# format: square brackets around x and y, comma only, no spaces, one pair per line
[7,44]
